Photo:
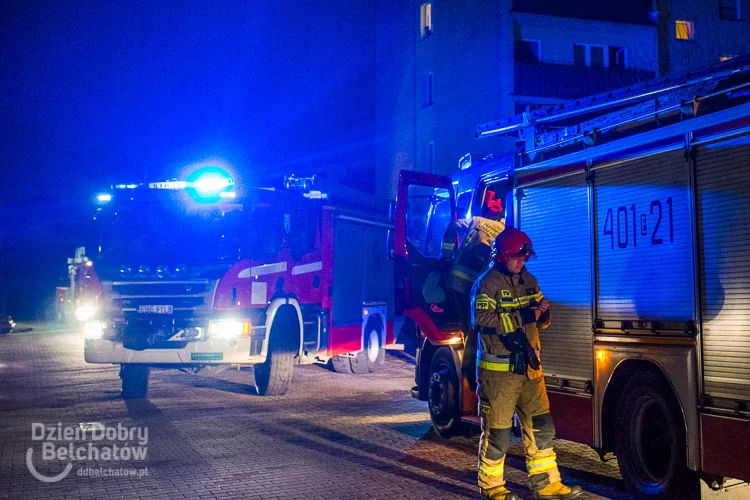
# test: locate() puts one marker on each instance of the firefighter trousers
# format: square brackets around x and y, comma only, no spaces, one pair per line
[500,395]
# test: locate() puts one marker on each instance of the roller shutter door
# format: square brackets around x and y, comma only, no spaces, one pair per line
[723,199]
[645,267]
[555,216]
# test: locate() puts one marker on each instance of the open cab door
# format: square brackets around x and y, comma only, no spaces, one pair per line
[425,205]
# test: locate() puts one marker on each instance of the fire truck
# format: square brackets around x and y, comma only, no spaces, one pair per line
[637,202]
[196,272]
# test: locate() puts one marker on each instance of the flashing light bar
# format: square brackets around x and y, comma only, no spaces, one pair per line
[168,185]
[205,185]
[211,183]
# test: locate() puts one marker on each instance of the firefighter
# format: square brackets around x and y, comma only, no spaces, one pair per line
[476,236]
[508,309]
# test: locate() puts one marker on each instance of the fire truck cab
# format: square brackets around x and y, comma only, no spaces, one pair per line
[200,272]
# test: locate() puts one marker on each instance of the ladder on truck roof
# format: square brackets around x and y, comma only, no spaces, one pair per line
[595,119]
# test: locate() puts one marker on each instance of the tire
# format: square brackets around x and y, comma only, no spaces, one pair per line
[369,359]
[273,377]
[650,441]
[341,364]
[442,394]
[134,381]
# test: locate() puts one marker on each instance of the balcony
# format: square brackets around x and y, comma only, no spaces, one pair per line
[564,81]
[613,11]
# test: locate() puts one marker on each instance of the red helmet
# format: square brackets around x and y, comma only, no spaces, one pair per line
[509,244]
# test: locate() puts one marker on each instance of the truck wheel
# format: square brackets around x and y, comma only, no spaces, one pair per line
[341,364]
[273,377]
[442,394]
[371,357]
[650,441]
[134,381]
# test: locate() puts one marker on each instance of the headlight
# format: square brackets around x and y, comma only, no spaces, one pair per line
[229,329]
[94,329]
[85,312]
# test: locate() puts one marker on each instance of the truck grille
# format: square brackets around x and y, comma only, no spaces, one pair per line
[190,301]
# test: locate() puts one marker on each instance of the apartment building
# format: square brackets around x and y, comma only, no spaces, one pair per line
[445,66]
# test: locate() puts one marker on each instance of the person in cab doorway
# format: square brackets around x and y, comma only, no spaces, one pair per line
[508,309]
[472,254]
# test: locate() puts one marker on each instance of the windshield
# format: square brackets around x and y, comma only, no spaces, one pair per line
[166,227]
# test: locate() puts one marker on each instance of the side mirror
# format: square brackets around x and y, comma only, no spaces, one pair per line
[392,211]
[389,244]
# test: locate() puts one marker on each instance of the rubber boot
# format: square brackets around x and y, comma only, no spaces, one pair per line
[499,493]
[557,490]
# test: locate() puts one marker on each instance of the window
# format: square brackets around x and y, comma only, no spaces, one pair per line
[301,231]
[729,10]
[527,51]
[685,30]
[499,190]
[618,57]
[438,221]
[595,56]
[463,204]
[425,20]
[428,213]
[427,96]
[428,159]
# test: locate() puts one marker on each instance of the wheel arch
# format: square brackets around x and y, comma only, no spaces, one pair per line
[278,307]
[375,317]
[614,391]
[424,364]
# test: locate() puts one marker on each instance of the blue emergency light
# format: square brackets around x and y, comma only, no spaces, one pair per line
[205,185]
[210,184]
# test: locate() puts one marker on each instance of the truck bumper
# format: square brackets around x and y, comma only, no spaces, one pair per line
[205,352]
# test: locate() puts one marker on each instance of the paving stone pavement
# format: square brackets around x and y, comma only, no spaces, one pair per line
[211,436]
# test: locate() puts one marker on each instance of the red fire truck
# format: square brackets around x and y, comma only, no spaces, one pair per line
[637,202]
[194,272]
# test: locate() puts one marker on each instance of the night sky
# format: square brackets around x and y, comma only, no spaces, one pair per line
[95,93]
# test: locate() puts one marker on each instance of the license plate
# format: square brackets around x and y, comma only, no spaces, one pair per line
[155,309]
[206,356]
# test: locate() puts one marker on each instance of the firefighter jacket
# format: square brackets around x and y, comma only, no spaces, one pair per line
[474,251]
[501,303]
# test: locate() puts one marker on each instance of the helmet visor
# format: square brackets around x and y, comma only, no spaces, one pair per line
[526,251]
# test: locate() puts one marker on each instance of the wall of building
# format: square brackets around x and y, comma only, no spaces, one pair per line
[467,63]
[558,35]
[714,37]
[396,23]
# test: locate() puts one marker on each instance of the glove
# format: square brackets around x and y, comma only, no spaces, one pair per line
[515,341]
[518,362]
[521,352]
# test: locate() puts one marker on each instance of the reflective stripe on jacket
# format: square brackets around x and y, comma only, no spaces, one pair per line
[501,303]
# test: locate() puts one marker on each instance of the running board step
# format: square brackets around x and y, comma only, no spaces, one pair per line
[394,347]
